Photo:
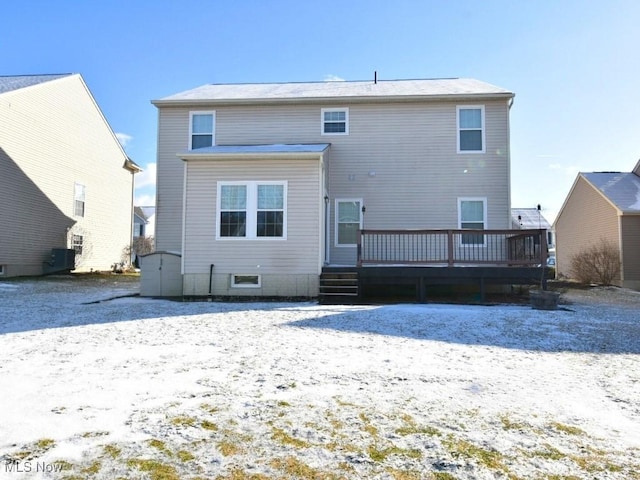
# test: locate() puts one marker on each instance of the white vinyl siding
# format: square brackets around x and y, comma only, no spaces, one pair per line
[411,147]
[335,121]
[202,129]
[348,221]
[54,136]
[298,253]
[470,128]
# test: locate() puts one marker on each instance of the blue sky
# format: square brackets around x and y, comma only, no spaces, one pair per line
[574,65]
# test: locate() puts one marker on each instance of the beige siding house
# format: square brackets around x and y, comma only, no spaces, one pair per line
[65,182]
[261,185]
[602,206]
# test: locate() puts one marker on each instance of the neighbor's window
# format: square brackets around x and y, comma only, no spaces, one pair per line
[472,213]
[79,200]
[252,210]
[335,121]
[245,281]
[348,221]
[76,243]
[470,129]
[1,269]
[201,130]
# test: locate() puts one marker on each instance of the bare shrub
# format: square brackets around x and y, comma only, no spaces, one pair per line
[598,263]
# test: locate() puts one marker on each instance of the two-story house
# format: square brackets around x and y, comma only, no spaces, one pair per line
[66,184]
[261,185]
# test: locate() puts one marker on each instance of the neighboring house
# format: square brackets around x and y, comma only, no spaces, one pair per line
[140,222]
[65,181]
[602,206]
[261,185]
[531,218]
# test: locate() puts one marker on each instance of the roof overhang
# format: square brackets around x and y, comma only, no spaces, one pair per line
[257,152]
[449,97]
[132,166]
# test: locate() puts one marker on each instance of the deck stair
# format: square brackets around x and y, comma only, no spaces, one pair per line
[338,286]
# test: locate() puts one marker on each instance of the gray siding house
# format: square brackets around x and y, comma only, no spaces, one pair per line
[65,182]
[261,185]
[602,206]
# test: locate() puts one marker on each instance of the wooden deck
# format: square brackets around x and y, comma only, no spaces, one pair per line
[425,258]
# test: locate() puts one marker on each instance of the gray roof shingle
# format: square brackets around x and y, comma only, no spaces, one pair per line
[622,189]
[15,82]
[343,90]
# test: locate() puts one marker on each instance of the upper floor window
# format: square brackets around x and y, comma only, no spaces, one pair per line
[472,214]
[335,121]
[252,209]
[202,129]
[348,221]
[470,129]
[78,200]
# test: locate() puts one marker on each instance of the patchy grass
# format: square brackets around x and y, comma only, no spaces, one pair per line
[183,421]
[568,429]
[284,438]
[156,470]
[460,448]
[410,427]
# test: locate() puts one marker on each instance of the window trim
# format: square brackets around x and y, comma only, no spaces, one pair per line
[213,126]
[484,220]
[334,109]
[251,228]
[234,283]
[338,201]
[482,128]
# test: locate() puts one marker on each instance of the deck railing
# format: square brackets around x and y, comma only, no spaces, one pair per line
[452,247]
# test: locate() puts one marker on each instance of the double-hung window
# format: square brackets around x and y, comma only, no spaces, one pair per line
[201,129]
[470,129]
[252,210]
[76,243]
[348,221]
[78,200]
[472,214]
[335,121]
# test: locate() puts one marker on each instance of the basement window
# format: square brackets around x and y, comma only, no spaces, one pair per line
[1,270]
[242,280]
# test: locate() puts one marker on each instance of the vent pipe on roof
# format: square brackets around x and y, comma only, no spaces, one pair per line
[375,77]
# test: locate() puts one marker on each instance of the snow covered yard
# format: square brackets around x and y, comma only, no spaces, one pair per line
[138,388]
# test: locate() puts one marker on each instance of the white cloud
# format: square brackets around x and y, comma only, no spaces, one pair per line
[144,200]
[568,170]
[146,178]
[124,139]
[333,78]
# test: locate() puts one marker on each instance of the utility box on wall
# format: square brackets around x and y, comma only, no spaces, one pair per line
[160,275]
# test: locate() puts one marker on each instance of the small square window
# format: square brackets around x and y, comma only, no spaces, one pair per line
[2,270]
[335,121]
[241,280]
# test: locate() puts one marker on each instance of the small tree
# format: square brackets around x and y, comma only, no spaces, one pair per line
[140,246]
[598,263]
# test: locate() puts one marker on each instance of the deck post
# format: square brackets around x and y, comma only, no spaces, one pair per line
[359,247]
[450,248]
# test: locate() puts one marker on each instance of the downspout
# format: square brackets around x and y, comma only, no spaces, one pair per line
[211,281]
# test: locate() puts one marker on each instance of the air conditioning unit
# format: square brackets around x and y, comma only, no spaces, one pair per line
[61,260]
